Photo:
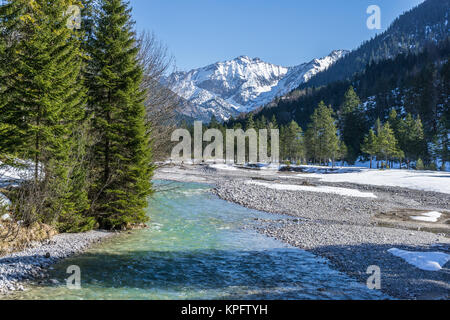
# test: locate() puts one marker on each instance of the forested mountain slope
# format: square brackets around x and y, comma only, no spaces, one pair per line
[410,32]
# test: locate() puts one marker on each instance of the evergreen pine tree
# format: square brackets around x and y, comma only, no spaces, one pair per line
[312,138]
[262,123]
[342,152]
[322,139]
[420,165]
[370,145]
[394,122]
[352,124]
[292,142]
[411,138]
[378,128]
[42,101]
[273,123]
[122,154]
[250,122]
[387,143]
[442,141]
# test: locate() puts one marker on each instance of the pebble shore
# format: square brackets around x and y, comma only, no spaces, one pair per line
[32,264]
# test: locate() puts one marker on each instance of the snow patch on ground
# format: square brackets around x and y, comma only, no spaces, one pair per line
[258,166]
[323,189]
[223,167]
[436,181]
[271,166]
[13,176]
[428,217]
[4,201]
[428,261]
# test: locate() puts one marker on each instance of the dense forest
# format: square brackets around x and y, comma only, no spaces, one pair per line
[74,122]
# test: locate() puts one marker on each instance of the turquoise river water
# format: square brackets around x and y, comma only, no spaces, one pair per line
[196,248]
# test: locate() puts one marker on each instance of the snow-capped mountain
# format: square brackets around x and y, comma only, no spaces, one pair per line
[225,89]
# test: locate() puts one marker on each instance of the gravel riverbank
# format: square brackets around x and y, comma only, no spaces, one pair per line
[31,264]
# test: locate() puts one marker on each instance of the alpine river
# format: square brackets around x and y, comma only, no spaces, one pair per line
[197,247]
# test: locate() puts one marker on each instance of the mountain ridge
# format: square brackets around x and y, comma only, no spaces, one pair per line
[227,88]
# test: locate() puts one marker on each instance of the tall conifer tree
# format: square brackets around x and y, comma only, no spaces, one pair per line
[370,145]
[352,123]
[387,144]
[122,155]
[322,139]
[411,138]
[292,142]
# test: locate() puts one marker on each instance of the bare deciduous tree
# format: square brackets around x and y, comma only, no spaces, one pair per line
[161,102]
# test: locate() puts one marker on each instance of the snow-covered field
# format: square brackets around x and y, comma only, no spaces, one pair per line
[436,181]
[428,216]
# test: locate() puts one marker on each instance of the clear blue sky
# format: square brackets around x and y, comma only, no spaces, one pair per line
[284,32]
